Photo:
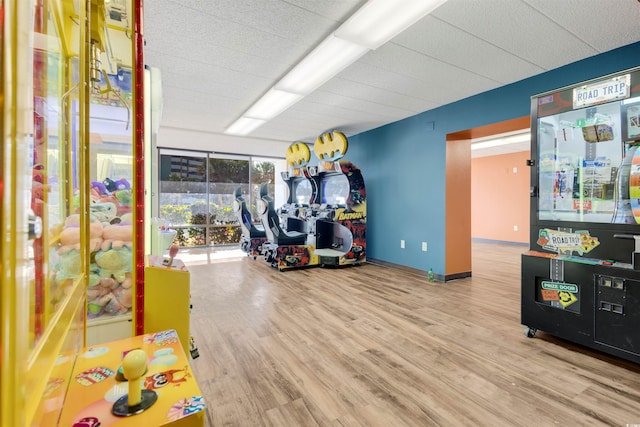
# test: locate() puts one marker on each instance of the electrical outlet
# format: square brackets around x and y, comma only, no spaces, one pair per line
[401,244]
[424,246]
[515,228]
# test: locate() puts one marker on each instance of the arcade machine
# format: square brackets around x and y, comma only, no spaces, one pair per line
[59,127]
[301,190]
[289,243]
[284,249]
[340,221]
[333,225]
[580,278]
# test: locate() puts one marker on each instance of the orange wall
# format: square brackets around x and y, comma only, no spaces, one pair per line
[458,193]
[500,197]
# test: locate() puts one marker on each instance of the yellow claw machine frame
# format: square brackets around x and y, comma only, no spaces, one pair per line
[71,171]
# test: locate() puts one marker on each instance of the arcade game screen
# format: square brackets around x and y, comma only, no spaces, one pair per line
[335,190]
[302,191]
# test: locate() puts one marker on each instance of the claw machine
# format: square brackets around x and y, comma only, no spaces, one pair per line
[58,60]
[581,276]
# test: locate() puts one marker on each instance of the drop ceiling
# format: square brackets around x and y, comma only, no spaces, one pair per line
[218,57]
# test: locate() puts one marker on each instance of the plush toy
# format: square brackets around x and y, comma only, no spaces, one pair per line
[114,263]
[70,234]
[122,184]
[69,267]
[118,234]
[104,212]
[125,200]
[100,188]
[122,300]
[110,184]
[97,306]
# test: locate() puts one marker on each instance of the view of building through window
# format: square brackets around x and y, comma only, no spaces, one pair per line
[196,193]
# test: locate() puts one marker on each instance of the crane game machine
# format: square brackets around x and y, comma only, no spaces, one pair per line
[581,278]
[340,200]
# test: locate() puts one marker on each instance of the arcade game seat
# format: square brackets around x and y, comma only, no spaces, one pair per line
[252,236]
[271,222]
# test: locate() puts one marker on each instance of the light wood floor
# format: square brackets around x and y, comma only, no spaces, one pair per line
[373,346]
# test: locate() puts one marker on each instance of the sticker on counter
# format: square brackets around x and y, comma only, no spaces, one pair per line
[185,407]
[95,352]
[87,422]
[161,379]
[564,242]
[94,375]
[117,391]
[161,338]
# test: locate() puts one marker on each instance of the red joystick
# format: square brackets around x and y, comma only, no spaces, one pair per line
[173,251]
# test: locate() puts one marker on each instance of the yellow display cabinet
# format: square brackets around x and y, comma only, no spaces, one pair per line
[167,297]
[66,72]
[98,383]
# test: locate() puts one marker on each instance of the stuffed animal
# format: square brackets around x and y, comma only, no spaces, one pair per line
[104,212]
[96,307]
[100,188]
[70,234]
[122,184]
[69,267]
[110,184]
[118,234]
[115,262]
[122,300]
[125,200]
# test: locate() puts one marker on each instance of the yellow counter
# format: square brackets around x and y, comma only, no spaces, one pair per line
[94,385]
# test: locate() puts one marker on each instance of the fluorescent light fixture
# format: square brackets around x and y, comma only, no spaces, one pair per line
[518,138]
[244,126]
[375,23]
[496,142]
[325,61]
[378,21]
[271,104]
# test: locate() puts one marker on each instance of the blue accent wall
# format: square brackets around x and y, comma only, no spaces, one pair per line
[403,163]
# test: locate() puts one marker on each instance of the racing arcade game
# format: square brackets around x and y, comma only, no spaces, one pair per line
[581,278]
[340,220]
[324,220]
[293,214]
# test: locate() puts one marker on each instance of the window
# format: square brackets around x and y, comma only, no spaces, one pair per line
[196,193]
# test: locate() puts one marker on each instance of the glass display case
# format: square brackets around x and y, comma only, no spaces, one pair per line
[585,166]
[67,121]
[580,152]
[110,292]
[579,278]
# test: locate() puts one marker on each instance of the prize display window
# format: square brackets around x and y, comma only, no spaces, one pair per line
[110,291]
[584,157]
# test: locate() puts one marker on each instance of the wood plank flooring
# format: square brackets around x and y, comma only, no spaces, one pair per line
[374,346]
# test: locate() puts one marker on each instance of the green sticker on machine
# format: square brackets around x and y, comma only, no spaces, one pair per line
[558,286]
